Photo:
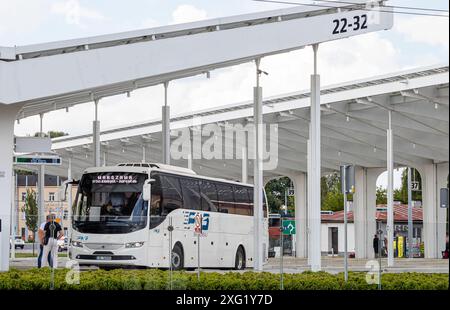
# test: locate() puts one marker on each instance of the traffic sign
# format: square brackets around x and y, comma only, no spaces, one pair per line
[288,227]
[198,224]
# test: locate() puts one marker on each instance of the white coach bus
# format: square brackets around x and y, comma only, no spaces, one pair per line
[119,220]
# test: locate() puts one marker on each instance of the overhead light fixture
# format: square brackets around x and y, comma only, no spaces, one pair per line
[18,121]
[128,94]
[328,105]
[436,106]
[67,109]
[375,149]
[413,145]
[347,118]
[339,153]
[123,150]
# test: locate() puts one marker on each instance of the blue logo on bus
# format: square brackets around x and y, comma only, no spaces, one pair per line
[189,219]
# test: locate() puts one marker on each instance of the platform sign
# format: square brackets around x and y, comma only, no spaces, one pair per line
[48,160]
[288,227]
[415,186]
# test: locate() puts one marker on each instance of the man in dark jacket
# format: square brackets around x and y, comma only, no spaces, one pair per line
[376,245]
[52,232]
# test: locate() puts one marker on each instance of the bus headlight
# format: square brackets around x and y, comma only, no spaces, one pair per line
[77,244]
[133,245]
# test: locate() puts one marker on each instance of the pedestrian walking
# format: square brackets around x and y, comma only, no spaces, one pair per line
[53,231]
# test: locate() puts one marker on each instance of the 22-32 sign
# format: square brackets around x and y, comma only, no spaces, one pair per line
[343,25]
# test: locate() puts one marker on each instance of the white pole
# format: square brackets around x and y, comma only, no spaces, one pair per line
[308,198]
[166,127]
[258,174]
[69,200]
[244,164]
[143,154]
[189,160]
[343,178]
[41,183]
[96,135]
[314,185]
[410,219]
[390,194]
[7,117]
[13,215]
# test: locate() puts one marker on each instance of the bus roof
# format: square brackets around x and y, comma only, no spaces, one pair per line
[145,167]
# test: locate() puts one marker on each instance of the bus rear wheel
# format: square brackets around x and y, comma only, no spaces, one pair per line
[177,257]
[240,259]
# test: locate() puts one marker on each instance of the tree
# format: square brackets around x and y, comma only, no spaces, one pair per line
[334,201]
[381,195]
[275,190]
[31,211]
[331,193]
[52,134]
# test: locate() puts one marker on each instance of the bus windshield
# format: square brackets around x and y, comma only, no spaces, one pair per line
[110,202]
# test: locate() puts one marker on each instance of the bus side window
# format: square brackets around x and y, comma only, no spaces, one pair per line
[250,193]
[226,198]
[209,196]
[242,200]
[191,193]
[171,194]
[250,196]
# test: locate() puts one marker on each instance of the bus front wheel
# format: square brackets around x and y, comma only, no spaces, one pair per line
[177,257]
[240,259]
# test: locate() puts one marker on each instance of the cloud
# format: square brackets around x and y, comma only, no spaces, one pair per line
[424,29]
[150,23]
[186,13]
[21,16]
[74,13]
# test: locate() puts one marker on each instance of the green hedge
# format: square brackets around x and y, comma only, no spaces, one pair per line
[157,279]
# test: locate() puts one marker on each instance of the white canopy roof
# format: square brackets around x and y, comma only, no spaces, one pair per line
[354,123]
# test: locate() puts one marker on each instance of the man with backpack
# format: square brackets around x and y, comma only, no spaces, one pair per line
[52,232]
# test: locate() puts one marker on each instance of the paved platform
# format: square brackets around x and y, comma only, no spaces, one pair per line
[296,265]
[336,265]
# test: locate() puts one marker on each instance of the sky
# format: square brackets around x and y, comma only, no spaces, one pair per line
[414,41]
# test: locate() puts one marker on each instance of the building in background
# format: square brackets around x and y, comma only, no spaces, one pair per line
[333,229]
[52,201]
[332,225]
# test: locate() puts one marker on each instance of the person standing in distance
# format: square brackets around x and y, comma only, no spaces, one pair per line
[376,244]
[53,232]
[41,235]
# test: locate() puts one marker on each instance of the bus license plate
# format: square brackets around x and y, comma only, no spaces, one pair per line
[103,257]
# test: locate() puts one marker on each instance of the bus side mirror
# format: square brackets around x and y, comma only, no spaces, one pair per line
[63,188]
[147,189]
